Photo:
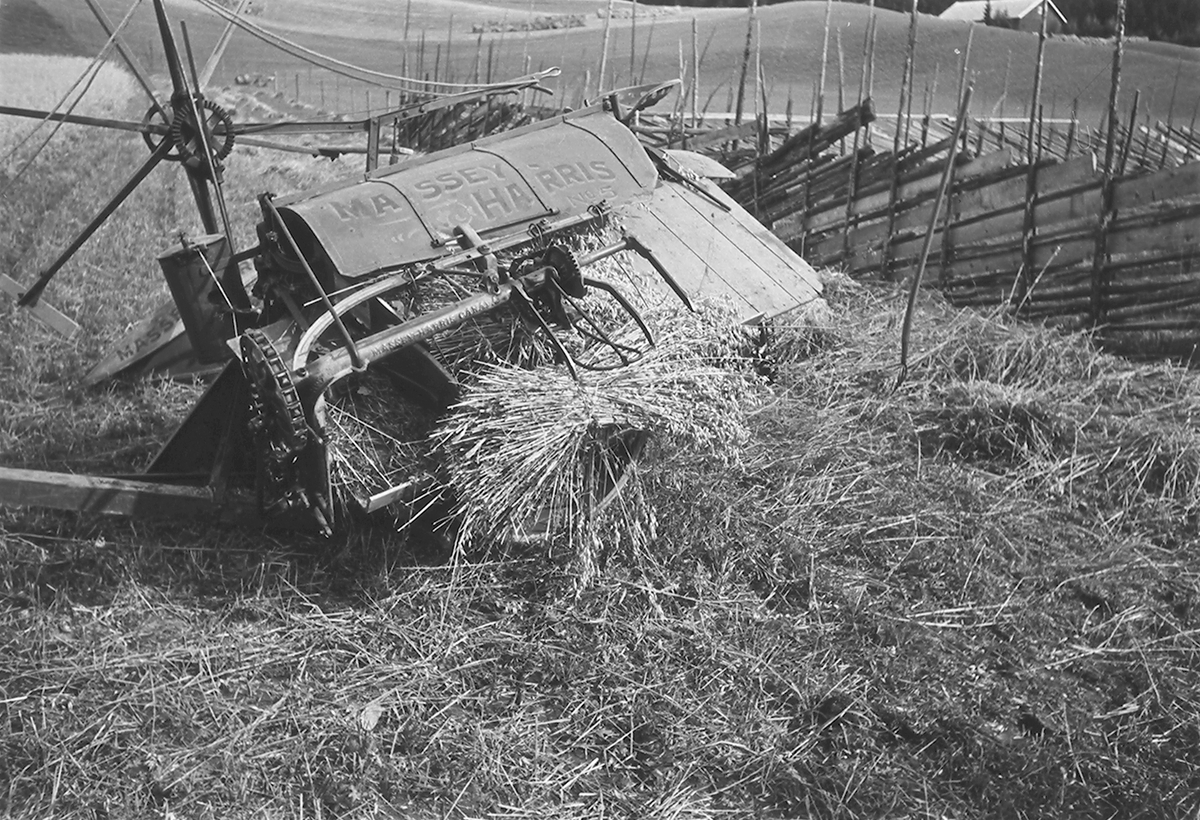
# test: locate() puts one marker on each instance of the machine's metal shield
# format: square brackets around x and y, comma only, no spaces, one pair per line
[501,185]
[407,213]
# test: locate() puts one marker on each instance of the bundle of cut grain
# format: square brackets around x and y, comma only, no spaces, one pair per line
[537,450]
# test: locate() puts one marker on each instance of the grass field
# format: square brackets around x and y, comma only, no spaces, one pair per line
[971,597]
[370,32]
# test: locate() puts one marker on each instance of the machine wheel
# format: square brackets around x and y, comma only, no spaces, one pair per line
[187,136]
[277,422]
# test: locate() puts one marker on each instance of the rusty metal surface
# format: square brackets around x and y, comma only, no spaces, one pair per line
[404,214]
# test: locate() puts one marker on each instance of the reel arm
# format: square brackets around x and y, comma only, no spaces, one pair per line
[31,296]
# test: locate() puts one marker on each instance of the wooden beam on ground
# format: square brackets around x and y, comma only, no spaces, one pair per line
[48,314]
[112,496]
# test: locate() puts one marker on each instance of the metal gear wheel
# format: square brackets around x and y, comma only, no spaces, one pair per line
[277,421]
[566,266]
[186,136]
[276,412]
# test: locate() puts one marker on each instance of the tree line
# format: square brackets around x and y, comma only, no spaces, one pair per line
[1173,21]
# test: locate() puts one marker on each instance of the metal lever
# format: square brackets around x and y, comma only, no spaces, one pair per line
[632,243]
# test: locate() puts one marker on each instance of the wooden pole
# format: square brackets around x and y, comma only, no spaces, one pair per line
[943,187]
[906,79]
[871,36]
[404,45]
[765,132]
[1004,99]
[1072,128]
[646,52]
[528,30]
[437,62]
[813,127]
[947,250]
[824,63]
[1033,157]
[695,74]
[604,49]
[1193,147]
[680,104]
[450,72]
[841,87]
[1128,143]
[926,115]
[562,58]
[758,91]
[852,181]
[1162,162]
[475,72]
[741,89]
[420,64]
[1098,311]
[633,43]
[1037,84]
[905,82]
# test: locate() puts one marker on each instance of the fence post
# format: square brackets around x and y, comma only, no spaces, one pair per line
[1100,252]
[1072,128]
[1033,156]
[372,143]
[1128,143]
[603,51]
[946,254]
[741,89]
[852,182]
[905,91]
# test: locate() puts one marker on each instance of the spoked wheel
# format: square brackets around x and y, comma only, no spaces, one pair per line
[191,142]
[156,117]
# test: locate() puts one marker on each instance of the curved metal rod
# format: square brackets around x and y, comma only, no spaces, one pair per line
[611,289]
[321,323]
[523,300]
[356,360]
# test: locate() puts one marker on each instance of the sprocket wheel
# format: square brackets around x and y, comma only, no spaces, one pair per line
[276,411]
[566,266]
[277,422]
[187,137]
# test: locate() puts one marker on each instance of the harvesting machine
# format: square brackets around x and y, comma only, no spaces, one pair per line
[385,276]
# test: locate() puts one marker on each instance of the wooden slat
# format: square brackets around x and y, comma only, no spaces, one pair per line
[791,272]
[711,253]
[46,313]
[151,334]
[1179,235]
[1165,186]
[112,496]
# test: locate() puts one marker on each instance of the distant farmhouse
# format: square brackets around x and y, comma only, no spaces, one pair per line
[1026,13]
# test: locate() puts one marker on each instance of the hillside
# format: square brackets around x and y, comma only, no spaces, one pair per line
[973,596]
[369,32]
